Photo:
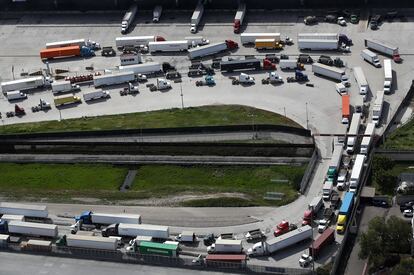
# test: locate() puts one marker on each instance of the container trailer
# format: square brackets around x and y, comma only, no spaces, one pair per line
[250,38]
[66,43]
[25,84]
[68,51]
[168,46]
[95,95]
[66,100]
[361,80]
[345,212]
[356,173]
[196,17]
[239,18]
[64,87]
[367,139]
[29,229]
[335,162]
[353,132]
[371,58]
[27,210]
[325,239]
[383,48]
[225,246]
[330,72]
[211,49]
[346,109]
[15,95]
[387,76]
[128,18]
[133,230]
[136,41]
[377,108]
[89,217]
[112,79]
[144,68]
[152,248]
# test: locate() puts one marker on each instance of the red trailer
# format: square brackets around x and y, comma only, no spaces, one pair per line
[326,238]
[60,52]
[226,260]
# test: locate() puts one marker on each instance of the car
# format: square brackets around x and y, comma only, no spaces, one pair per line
[341,21]
[310,20]
[380,203]
[323,224]
[354,19]
[331,18]
[407,205]
[408,213]
[343,173]
[347,162]
[375,21]
[305,260]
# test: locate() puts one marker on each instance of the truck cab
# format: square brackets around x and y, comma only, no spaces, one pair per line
[85,217]
[283,227]
[340,224]
[246,79]
[163,84]
[257,249]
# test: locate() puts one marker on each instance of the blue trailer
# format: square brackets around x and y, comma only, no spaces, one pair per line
[345,211]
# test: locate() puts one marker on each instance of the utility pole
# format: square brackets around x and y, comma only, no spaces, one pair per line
[307,117]
[182,96]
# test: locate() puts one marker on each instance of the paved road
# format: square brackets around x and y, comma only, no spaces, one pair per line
[22,264]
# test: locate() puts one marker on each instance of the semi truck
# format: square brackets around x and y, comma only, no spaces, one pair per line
[95,95]
[367,139]
[64,87]
[278,243]
[313,208]
[327,190]
[29,229]
[213,48]
[75,42]
[27,210]
[68,51]
[136,41]
[325,239]
[144,68]
[387,76]
[112,79]
[196,17]
[383,48]
[335,162]
[226,246]
[345,212]
[156,14]
[92,242]
[66,100]
[168,46]
[353,132]
[99,219]
[371,58]
[15,95]
[346,109]
[186,236]
[250,38]
[152,248]
[239,18]
[267,44]
[361,81]
[133,230]
[356,173]
[25,84]
[289,64]
[377,108]
[128,18]
[331,72]
[246,64]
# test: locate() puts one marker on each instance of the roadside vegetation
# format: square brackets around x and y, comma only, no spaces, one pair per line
[169,118]
[402,138]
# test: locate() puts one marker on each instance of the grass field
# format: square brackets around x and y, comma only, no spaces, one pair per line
[400,167]
[197,116]
[402,138]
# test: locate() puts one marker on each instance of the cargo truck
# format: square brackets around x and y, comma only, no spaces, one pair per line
[196,17]
[112,79]
[313,208]
[136,41]
[186,236]
[92,242]
[133,230]
[238,19]
[152,248]
[29,229]
[325,239]
[128,18]
[135,243]
[361,80]
[345,212]
[383,48]
[387,76]
[290,64]
[353,132]
[27,210]
[145,68]
[327,190]
[335,163]
[377,108]
[64,87]
[331,72]
[367,139]
[68,51]
[356,173]
[371,58]
[226,246]
[267,44]
[246,64]
[66,100]
[346,109]
[213,48]
[168,46]
[15,95]
[95,95]
[25,84]
[195,41]
[99,219]
[156,14]
[275,244]
[250,38]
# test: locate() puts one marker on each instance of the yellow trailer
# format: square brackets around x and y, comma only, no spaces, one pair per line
[267,44]
[66,99]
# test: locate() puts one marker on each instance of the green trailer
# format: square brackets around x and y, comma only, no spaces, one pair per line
[170,250]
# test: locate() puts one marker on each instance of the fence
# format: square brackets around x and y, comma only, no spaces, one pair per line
[309,171]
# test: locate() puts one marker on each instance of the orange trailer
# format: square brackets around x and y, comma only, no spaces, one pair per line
[60,52]
[346,111]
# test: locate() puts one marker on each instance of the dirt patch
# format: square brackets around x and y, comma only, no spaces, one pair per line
[86,200]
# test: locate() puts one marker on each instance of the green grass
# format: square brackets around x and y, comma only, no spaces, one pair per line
[197,116]
[219,202]
[400,167]
[402,138]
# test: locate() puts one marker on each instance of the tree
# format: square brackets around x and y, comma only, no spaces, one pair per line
[406,266]
[383,163]
[399,235]
[386,180]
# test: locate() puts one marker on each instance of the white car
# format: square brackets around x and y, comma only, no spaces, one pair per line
[341,21]
[408,213]
[305,260]
[141,78]
[323,224]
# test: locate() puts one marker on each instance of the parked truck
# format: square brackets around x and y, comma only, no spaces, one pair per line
[68,51]
[239,18]
[25,84]
[64,87]
[99,219]
[196,17]
[156,14]
[345,212]
[267,44]
[387,76]
[255,234]
[371,58]
[115,78]
[74,42]
[327,190]
[325,239]
[27,210]
[331,72]
[136,41]
[186,236]
[367,139]
[29,229]
[356,173]
[246,64]
[384,48]
[250,38]
[153,248]
[91,242]
[128,18]
[335,163]
[323,41]
[290,64]
[275,244]
[226,246]
[66,100]
[213,48]
[168,46]
[284,227]
[95,95]
[346,109]
[15,95]
[377,108]
[353,132]
[144,68]
[342,38]
[133,230]
[361,80]
[313,208]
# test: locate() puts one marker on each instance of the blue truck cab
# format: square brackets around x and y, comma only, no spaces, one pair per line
[85,217]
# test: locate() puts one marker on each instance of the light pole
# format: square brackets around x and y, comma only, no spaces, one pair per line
[182,96]
[307,118]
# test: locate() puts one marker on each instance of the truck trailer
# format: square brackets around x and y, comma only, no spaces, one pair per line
[64,87]
[128,18]
[330,72]
[346,109]
[136,41]
[325,239]
[68,51]
[383,48]
[377,108]
[74,42]
[144,68]
[98,219]
[196,17]
[152,248]
[29,229]
[226,246]
[213,48]
[371,58]
[345,212]
[356,173]
[246,64]
[367,139]
[335,163]
[250,38]
[112,79]
[15,95]
[361,80]
[27,210]
[353,132]
[239,18]
[92,242]
[66,100]
[25,84]
[95,95]
[133,230]
[387,76]
[168,46]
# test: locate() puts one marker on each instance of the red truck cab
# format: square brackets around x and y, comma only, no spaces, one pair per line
[231,45]
[268,65]
[236,26]
[282,228]
[307,217]
[397,58]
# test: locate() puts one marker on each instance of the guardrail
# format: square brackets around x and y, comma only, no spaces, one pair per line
[309,171]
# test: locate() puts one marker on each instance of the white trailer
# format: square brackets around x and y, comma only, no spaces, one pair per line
[387,76]
[74,42]
[225,246]
[288,64]
[94,242]
[383,47]
[9,218]
[156,14]
[239,17]
[111,79]
[367,139]
[25,84]
[371,57]
[330,72]
[95,95]
[64,86]
[33,229]
[133,230]
[186,236]
[168,46]
[335,161]
[135,41]
[361,80]
[377,108]
[128,18]
[356,173]
[27,210]
[353,132]
[15,95]
[195,41]
[207,50]
[275,244]
[327,190]
[250,38]
[130,59]
[196,17]
[145,68]
[317,44]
